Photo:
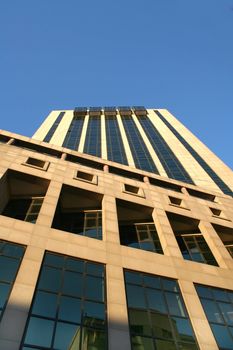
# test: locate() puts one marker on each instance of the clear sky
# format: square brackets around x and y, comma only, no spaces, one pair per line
[174,54]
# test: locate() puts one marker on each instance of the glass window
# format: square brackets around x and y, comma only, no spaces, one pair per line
[74,133]
[54,127]
[44,336]
[157,315]
[140,153]
[170,162]
[115,146]
[218,306]
[141,236]
[11,256]
[62,310]
[219,182]
[195,248]
[93,137]
[26,209]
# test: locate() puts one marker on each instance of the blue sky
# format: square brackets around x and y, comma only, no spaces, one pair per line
[174,54]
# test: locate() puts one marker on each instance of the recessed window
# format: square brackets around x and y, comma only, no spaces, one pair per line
[86,177]
[218,306]
[69,306]
[133,190]
[218,213]
[202,195]
[190,240]
[79,212]
[176,201]
[26,209]
[22,195]
[37,163]
[157,315]
[136,227]
[226,235]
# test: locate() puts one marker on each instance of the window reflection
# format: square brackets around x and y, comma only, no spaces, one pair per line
[157,315]
[10,259]
[218,307]
[69,306]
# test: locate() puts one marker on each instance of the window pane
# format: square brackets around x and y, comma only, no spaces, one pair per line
[8,273]
[152,281]
[94,288]
[165,345]
[212,311]
[141,343]
[75,265]
[135,296]
[183,329]
[170,285]
[4,291]
[73,283]
[161,326]
[45,304]
[204,292]
[65,336]
[227,312]
[220,294]
[133,277]
[175,304]
[223,337]
[94,314]
[94,269]
[139,322]
[93,339]
[70,309]
[156,300]
[54,260]
[39,332]
[50,279]
[12,250]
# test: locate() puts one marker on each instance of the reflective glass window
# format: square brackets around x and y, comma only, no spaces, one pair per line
[170,162]
[157,315]
[115,146]
[93,137]
[69,306]
[54,127]
[141,155]
[218,306]
[73,134]
[11,255]
[219,182]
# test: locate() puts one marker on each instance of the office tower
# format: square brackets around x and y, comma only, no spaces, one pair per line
[116,233]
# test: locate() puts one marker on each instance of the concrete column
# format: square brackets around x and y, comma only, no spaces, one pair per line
[63,156]
[46,215]
[10,142]
[215,244]
[118,331]
[166,235]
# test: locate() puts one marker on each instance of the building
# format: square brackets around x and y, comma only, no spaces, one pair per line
[116,233]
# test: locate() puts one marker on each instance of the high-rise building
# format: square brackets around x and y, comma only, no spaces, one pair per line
[116,233]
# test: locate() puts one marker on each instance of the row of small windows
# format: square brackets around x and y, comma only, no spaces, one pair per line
[69,306]
[42,165]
